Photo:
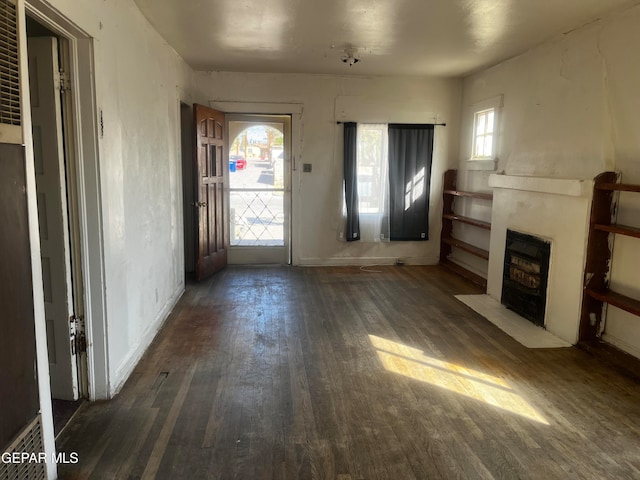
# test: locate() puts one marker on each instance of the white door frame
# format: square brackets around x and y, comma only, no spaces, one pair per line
[82,152]
[248,255]
[295,110]
[53,204]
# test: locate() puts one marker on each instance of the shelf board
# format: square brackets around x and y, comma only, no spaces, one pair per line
[463,272]
[621,229]
[621,187]
[467,220]
[461,193]
[623,302]
[467,247]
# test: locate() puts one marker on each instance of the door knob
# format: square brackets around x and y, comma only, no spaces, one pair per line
[199,204]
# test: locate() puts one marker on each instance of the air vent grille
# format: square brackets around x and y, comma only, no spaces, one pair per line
[29,441]
[9,79]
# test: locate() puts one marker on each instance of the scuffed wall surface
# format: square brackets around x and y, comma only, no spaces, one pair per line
[139,81]
[571,111]
[317,196]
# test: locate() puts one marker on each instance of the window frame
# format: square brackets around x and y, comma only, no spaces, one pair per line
[485,162]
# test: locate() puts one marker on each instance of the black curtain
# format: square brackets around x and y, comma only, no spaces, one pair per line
[351,182]
[410,155]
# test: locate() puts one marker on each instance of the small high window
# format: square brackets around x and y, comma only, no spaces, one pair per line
[483,151]
[483,134]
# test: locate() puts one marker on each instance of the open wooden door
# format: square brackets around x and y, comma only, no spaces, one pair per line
[48,146]
[210,191]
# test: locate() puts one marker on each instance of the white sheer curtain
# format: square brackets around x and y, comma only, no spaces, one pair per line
[373,181]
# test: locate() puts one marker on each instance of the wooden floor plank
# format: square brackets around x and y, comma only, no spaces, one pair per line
[353,374]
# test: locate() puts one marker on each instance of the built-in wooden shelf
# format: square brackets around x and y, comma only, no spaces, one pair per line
[463,272]
[467,247]
[448,241]
[462,193]
[619,187]
[598,261]
[627,304]
[621,229]
[467,220]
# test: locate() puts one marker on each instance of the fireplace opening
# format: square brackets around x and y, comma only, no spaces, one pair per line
[526,272]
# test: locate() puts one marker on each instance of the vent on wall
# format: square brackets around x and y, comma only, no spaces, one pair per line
[9,61]
[29,441]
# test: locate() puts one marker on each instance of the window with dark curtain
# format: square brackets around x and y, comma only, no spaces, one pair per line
[410,156]
[351,182]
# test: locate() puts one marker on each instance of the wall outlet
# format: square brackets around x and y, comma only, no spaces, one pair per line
[400,261]
[306,167]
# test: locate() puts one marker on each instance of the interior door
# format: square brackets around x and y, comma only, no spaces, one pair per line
[211,177]
[18,382]
[53,219]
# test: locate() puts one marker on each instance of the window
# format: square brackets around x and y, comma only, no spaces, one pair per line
[387,171]
[484,124]
[372,168]
[483,150]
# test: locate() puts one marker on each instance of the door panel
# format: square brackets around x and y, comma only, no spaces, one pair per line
[211,251]
[18,383]
[52,214]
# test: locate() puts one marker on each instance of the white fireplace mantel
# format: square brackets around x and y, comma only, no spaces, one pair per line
[556,210]
[555,186]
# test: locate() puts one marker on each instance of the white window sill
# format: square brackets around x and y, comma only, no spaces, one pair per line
[485,164]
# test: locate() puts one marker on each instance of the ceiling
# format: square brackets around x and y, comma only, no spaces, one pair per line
[392,37]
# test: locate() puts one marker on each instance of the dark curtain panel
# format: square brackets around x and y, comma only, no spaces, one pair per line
[351,182]
[410,154]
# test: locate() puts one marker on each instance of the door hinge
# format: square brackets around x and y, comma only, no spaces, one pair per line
[81,343]
[77,335]
[63,81]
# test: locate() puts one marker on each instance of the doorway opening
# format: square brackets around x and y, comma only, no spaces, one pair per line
[259,189]
[188,186]
[57,200]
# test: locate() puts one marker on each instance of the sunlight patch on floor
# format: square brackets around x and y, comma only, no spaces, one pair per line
[413,363]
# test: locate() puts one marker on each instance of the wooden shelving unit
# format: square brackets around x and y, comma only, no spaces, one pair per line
[599,252]
[447,240]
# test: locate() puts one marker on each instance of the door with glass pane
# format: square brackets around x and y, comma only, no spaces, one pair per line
[259,189]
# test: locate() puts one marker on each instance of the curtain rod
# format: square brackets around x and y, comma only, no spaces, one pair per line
[434,124]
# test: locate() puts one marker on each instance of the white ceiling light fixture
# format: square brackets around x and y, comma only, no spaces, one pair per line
[350,56]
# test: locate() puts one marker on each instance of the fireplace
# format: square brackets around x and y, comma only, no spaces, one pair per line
[525,275]
[558,210]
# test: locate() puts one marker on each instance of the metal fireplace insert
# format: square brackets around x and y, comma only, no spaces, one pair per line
[525,275]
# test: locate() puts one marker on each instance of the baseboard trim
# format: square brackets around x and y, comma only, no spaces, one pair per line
[126,367]
[365,261]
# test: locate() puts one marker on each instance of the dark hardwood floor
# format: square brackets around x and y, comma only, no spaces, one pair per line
[63,410]
[340,373]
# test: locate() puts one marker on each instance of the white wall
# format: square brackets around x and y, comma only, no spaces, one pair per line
[139,81]
[317,196]
[571,111]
